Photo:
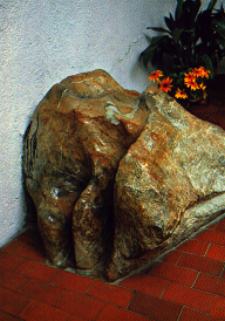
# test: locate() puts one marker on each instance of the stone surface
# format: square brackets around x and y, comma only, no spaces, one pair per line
[79,132]
[169,183]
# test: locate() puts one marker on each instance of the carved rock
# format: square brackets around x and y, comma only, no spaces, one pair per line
[169,183]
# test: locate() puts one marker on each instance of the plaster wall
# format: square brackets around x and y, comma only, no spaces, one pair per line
[42,42]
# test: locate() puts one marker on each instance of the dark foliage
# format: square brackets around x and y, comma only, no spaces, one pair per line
[192,37]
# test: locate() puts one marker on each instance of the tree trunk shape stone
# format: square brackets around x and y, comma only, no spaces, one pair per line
[117,177]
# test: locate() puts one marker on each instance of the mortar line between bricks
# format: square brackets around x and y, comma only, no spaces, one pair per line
[12,290]
[89,287]
[223,271]
[195,280]
[26,306]
[12,315]
[100,311]
[106,302]
[177,260]
[164,290]
[181,311]
[162,293]
[198,311]
[134,293]
[207,250]
[33,299]
[53,306]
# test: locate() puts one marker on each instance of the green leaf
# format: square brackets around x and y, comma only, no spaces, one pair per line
[211,5]
[221,43]
[159,29]
[208,63]
[156,40]
[221,33]
[179,9]
[146,56]
[191,36]
[190,12]
[148,38]
[220,24]
[169,21]
[168,61]
[219,27]
[177,34]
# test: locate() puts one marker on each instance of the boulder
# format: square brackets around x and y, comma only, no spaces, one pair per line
[77,136]
[119,178]
[170,183]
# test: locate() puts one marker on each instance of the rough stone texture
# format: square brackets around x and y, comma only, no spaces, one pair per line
[79,132]
[169,183]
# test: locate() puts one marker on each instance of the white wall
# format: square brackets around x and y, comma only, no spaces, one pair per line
[43,41]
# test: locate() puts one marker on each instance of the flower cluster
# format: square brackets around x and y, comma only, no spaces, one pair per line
[190,85]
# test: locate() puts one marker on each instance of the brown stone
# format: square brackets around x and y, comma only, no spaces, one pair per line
[78,134]
[169,183]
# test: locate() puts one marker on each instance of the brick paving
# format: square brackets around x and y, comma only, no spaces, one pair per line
[187,285]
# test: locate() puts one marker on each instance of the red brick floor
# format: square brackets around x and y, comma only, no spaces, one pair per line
[188,285]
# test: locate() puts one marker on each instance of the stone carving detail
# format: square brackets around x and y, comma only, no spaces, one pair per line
[118,178]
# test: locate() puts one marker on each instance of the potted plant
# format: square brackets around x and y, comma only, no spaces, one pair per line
[188,51]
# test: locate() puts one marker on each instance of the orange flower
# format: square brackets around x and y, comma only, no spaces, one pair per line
[201,72]
[181,94]
[166,84]
[155,75]
[190,81]
[202,86]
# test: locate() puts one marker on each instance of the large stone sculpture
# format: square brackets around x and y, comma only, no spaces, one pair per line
[169,168]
